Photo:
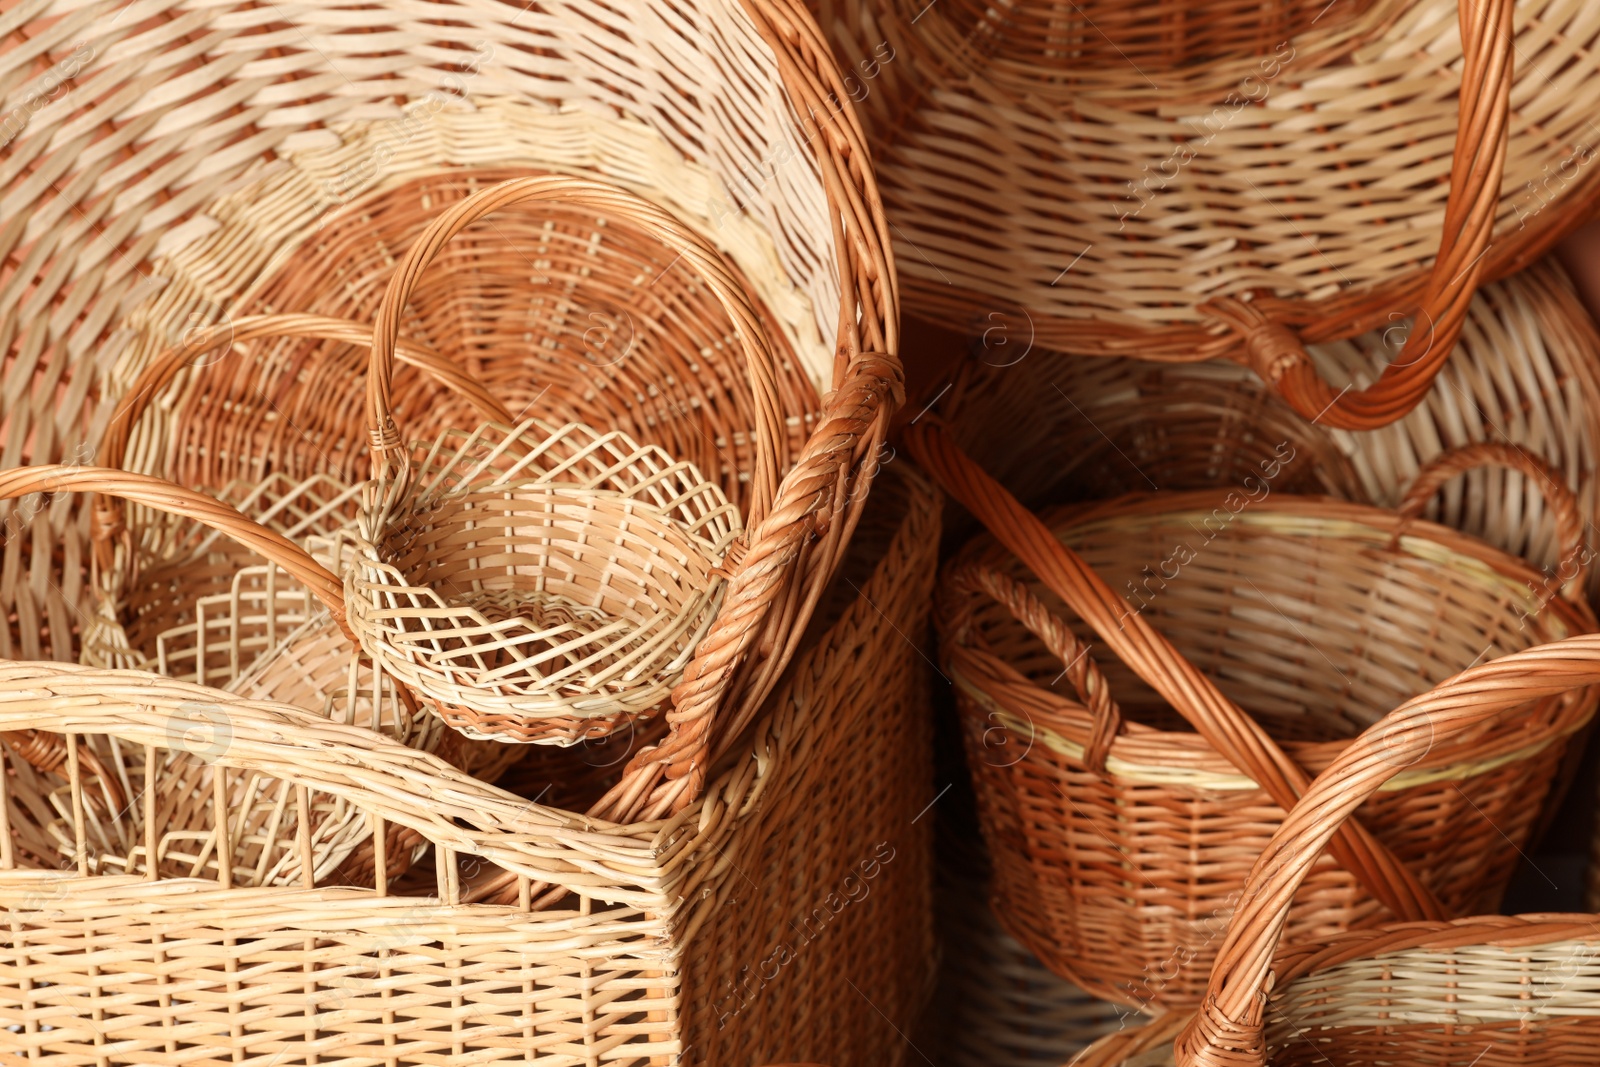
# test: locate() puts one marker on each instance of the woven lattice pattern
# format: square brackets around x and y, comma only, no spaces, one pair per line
[1313,617]
[628,919]
[546,579]
[1485,989]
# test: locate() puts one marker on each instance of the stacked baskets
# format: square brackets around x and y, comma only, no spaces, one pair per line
[556,391]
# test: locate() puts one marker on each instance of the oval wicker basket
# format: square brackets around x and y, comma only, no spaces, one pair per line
[1489,990]
[1524,373]
[167,164]
[1177,182]
[624,944]
[1312,614]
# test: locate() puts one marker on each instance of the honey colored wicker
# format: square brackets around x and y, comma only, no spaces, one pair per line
[154,567]
[1523,373]
[164,162]
[1177,182]
[535,583]
[1312,614]
[1487,990]
[783,915]
[617,334]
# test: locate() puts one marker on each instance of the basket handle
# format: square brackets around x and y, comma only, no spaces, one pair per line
[1223,724]
[809,527]
[1230,1018]
[1279,356]
[106,518]
[390,452]
[1080,668]
[176,500]
[1563,503]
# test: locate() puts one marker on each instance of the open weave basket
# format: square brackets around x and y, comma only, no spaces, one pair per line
[168,824]
[1312,614]
[1488,990]
[538,583]
[167,160]
[1524,374]
[541,583]
[654,942]
[1231,179]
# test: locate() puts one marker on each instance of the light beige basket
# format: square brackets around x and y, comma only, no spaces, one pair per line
[165,161]
[539,583]
[651,943]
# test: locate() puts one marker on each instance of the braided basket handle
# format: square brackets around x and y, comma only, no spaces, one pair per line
[1567,513]
[1223,724]
[1230,1018]
[174,499]
[1279,356]
[390,452]
[107,515]
[1079,667]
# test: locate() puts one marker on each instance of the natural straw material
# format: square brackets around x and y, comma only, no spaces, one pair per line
[530,580]
[540,583]
[560,312]
[1311,614]
[1490,990]
[164,161]
[1524,373]
[1180,182]
[651,940]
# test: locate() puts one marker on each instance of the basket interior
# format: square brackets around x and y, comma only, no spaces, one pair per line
[1315,627]
[561,314]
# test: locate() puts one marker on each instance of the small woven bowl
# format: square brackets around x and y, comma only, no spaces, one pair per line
[541,585]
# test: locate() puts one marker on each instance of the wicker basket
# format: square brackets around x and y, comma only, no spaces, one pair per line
[1178,182]
[169,164]
[1524,373]
[337,843]
[1312,614]
[1487,990]
[794,890]
[543,584]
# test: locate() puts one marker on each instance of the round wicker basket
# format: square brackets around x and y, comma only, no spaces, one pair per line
[1394,993]
[1312,614]
[168,159]
[1524,373]
[1177,182]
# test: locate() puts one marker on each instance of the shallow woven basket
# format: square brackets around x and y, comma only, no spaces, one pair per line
[651,941]
[1490,991]
[1312,614]
[1231,179]
[1524,373]
[540,583]
[166,161]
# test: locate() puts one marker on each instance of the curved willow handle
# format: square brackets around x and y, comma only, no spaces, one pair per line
[1230,1019]
[1223,724]
[390,456]
[1275,352]
[1080,668]
[175,499]
[1567,514]
[106,518]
